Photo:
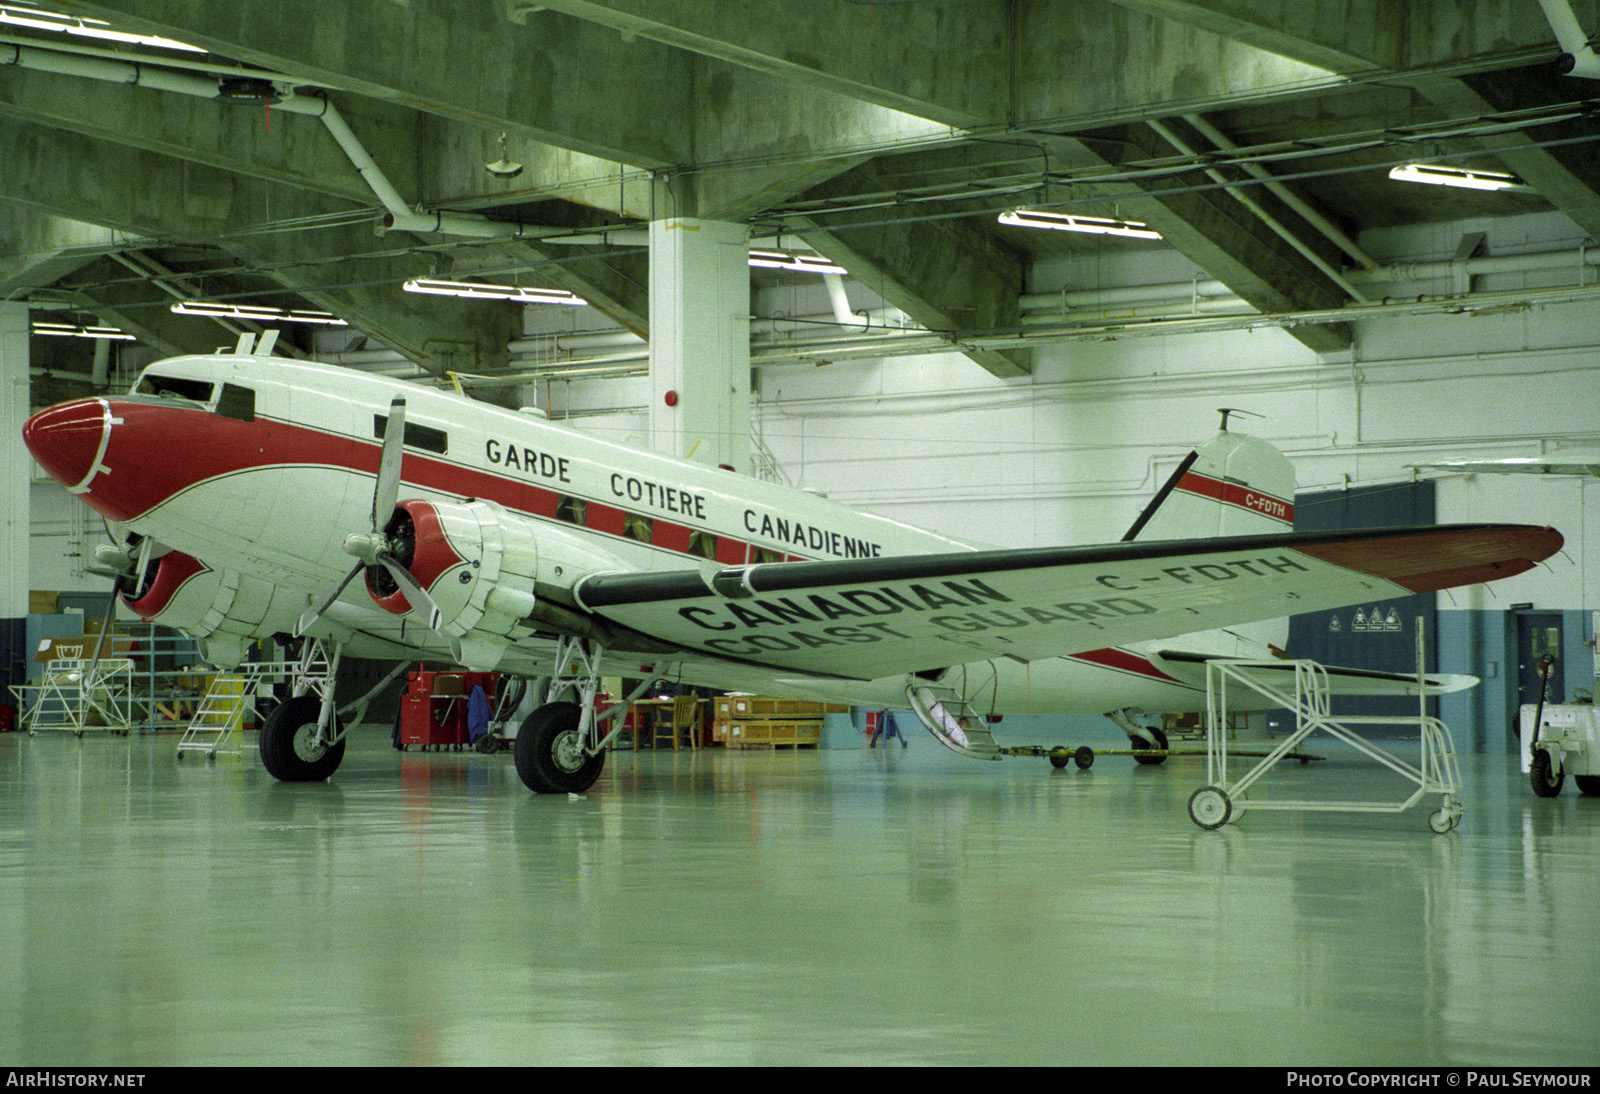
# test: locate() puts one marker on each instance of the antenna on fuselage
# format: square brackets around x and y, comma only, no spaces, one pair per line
[1226,410]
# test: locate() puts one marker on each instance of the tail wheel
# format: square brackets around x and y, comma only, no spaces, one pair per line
[290,750]
[549,753]
[1160,744]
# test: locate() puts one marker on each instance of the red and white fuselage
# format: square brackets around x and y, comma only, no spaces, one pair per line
[251,471]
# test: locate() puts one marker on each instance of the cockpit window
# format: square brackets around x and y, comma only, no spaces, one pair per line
[237,402]
[174,387]
[424,437]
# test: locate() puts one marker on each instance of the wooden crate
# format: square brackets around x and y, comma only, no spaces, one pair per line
[763,720]
[775,733]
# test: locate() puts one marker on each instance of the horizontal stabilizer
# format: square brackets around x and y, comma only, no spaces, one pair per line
[1189,668]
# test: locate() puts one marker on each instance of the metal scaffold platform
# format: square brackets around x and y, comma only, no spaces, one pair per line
[1303,688]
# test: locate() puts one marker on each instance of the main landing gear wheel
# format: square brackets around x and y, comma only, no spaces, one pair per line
[549,751]
[1545,774]
[1210,807]
[290,750]
[1160,745]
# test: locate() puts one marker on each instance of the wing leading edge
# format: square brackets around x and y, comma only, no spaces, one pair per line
[870,618]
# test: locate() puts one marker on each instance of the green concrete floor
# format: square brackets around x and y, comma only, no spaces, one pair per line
[840,907]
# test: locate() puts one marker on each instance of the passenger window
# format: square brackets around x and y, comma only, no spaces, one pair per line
[571,509]
[637,527]
[703,544]
[237,402]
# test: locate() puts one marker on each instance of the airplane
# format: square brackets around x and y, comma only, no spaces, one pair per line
[250,491]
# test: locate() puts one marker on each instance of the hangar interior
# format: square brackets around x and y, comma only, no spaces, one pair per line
[988,267]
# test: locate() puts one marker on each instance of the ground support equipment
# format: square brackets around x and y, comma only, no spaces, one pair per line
[1220,801]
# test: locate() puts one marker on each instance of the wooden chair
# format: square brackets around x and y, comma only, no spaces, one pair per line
[682,722]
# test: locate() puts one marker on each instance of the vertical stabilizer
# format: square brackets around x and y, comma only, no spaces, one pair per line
[1233,485]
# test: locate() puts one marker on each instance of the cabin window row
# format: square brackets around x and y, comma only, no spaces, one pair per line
[659,533]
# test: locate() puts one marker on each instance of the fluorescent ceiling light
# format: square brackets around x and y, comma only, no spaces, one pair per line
[70,330]
[84,28]
[479,291]
[1435,175]
[1072,222]
[257,312]
[781,260]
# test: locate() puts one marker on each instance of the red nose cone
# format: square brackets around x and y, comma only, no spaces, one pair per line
[66,439]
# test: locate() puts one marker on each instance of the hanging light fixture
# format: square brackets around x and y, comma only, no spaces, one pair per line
[477,290]
[261,313]
[74,330]
[800,263]
[1073,222]
[1437,175]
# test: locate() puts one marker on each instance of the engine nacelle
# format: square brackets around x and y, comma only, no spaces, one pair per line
[481,564]
[223,609]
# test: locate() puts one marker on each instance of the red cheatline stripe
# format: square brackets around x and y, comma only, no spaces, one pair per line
[1237,495]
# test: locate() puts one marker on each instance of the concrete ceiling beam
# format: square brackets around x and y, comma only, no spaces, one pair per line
[564,81]
[948,274]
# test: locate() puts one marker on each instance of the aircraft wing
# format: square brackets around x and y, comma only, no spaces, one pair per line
[868,618]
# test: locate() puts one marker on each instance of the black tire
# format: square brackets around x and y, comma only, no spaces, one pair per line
[1588,785]
[546,753]
[1160,738]
[288,749]
[1084,757]
[1545,775]
[1060,757]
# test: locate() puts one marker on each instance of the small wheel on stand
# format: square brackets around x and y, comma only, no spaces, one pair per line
[1445,820]
[1210,807]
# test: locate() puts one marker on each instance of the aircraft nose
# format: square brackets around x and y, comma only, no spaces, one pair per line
[69,439]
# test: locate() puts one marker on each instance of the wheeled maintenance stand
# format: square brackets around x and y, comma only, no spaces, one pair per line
[1307,694]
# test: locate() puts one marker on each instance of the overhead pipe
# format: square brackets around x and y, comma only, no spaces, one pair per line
[1577,56]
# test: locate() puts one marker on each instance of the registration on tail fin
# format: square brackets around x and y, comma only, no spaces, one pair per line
[1233,485]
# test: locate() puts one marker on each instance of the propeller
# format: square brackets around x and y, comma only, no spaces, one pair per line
[378,547]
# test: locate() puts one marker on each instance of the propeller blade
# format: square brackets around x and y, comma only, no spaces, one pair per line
[415,594]
[387,490]
[315,611]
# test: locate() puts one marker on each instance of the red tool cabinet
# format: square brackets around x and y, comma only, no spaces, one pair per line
[433,710]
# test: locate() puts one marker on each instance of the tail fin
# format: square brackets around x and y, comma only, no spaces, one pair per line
[1233,485]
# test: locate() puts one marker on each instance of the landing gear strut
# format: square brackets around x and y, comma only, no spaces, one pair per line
[560,748]
[302,740]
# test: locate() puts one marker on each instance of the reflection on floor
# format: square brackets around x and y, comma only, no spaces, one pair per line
[767,908]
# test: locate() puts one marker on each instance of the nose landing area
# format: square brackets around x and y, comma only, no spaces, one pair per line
[68,440]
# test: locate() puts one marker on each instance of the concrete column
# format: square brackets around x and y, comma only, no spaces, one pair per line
[16,477]
[700,340]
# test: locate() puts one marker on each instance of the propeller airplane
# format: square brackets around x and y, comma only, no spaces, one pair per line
[249,492]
